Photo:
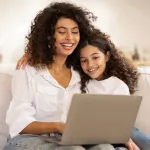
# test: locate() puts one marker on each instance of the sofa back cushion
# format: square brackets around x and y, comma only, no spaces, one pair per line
[5,98]
[143,119]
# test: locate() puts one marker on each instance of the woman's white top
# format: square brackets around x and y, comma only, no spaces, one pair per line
[37,96]
[112,85]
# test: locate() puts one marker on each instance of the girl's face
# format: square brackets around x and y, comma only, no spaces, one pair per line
[67,36]
[93,61]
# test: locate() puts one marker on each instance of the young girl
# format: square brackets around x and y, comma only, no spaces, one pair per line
[100,62]
[104,70]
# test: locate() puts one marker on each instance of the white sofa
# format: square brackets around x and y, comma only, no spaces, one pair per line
[142,122]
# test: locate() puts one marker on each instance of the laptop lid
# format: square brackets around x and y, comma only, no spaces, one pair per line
[96,119]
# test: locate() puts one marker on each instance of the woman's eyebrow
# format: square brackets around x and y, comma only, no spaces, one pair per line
[75,28]
[62,27]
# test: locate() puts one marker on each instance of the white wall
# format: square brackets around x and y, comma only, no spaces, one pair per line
[133,23]
[126,21]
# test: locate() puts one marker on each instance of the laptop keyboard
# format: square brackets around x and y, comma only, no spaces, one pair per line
[54,137]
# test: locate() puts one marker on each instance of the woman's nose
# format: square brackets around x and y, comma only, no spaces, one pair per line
[69,36]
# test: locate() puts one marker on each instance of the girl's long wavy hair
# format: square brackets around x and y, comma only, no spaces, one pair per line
[40,40]
[117,64]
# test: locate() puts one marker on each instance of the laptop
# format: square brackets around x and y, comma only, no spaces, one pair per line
[99,119]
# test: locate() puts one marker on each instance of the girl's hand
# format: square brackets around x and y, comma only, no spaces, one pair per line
[131,145]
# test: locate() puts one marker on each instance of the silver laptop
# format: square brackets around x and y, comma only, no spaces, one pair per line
[96,119]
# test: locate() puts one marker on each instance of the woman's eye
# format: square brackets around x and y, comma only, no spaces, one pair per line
[75,32]
[61,32]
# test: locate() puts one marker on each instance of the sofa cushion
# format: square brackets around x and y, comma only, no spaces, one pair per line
[143,119]
[7,68]
[5,97]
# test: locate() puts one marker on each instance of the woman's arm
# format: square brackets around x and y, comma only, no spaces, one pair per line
[20,116]
[43,127]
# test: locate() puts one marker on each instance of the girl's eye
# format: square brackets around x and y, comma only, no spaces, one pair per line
[95,57]
[83,61]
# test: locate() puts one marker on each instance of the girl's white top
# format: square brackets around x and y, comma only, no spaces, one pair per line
[112,85]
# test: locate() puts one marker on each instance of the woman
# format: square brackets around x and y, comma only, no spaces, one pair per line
[42,92]
[92,48]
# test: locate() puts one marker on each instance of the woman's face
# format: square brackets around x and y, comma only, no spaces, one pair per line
[93,61]
[67,36]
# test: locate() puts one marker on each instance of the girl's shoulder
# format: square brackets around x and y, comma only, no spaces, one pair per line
[110,85]
[109,81]
[114,80]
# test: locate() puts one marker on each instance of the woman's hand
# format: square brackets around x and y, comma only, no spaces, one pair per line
[60,127]
[131,145]
[22,62]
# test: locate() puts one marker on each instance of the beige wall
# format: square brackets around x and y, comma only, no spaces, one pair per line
[126,21]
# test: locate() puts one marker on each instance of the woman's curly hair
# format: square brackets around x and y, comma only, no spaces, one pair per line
[117,64]
[40,46]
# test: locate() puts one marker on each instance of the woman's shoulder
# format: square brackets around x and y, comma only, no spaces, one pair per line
[27,71]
